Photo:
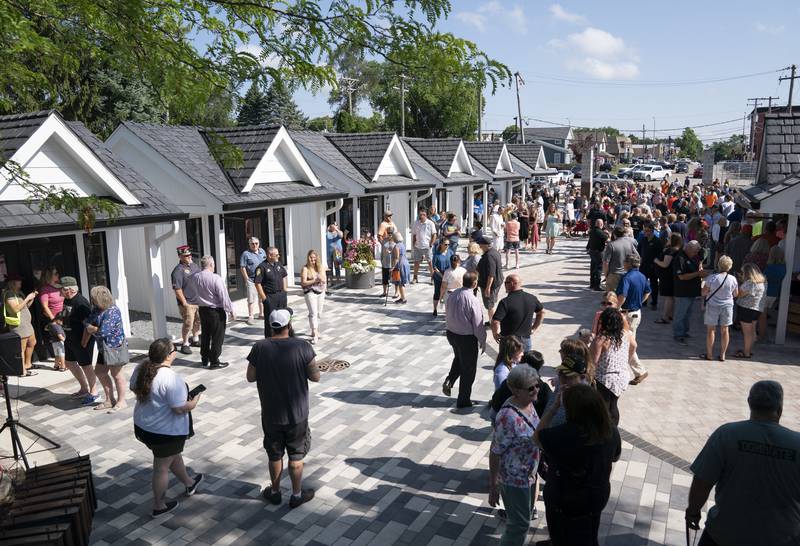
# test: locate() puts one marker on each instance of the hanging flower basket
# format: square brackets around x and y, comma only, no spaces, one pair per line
[360,264]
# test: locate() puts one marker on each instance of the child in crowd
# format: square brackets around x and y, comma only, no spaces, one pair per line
[56,329]
[508,355]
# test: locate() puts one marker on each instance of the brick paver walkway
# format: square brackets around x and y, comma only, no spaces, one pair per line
[392,460]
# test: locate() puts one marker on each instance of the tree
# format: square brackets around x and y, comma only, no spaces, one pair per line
[281,108]
[689,144]
[321,123]
[442,99]
[727,150]
[345,123]
[254,108]
[49,48]
[510,132]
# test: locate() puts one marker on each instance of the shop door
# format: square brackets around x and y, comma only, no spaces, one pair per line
[238,229]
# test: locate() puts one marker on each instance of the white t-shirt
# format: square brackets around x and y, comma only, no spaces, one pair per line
[726,292]
[155,415]
[454,278]
[423,231]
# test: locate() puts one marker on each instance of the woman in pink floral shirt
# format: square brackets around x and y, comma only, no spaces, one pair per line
[514,457]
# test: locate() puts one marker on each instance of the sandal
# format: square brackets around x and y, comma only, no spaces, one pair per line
[29,373]
[740,354]
[104,406]
[705,356]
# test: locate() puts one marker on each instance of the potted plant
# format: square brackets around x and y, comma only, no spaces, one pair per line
[360,264]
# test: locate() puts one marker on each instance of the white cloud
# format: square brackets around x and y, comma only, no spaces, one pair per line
[495,11]
[598,54]
[271,60]
[476,20]
[561,14]
[772,30]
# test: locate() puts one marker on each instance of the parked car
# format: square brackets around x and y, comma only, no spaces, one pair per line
[649,173]
[565,176]
[627,173]
[576,170]
[681,168]
[605,177]
[698,173]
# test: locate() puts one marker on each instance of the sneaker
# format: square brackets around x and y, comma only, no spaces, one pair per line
[305,496]
[218,365]
[169,507]
[447,388]
[90,399]
[273,497]
[192,489]
[185,350]
[195,343]
[250,321]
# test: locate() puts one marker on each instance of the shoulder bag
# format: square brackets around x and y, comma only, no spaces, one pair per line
[706,300]
[11,320]
[113,356]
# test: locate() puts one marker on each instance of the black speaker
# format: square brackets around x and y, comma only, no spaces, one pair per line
[11,354]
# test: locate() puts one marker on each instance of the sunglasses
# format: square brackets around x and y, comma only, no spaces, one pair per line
[533,388]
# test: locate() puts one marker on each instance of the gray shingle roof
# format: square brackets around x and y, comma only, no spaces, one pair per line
[187,149]
[253,141]
[15,129]
[320,147]
[759,192]
[364,150]
[427,171]
[485,153]
[527,153]
[520,167]
[556,133]
[439,152]
[28,218]
[781,148]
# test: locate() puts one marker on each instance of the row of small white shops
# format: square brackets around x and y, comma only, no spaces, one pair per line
[176,186]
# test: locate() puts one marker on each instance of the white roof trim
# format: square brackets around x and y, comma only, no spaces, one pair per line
[461,153]
[54,126]
[282,138]
[541,161]
[504,161]
[395,145]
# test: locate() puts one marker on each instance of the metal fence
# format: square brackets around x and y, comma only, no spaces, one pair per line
[738,173]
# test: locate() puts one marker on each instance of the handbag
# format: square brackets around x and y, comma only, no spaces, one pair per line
[115,356]
[11,320]
[706,300]
[395,275]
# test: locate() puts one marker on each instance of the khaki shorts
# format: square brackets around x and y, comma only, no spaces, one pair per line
[252,293]
[612,281]
[191,319]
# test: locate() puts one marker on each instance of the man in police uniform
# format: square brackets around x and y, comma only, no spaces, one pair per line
[186,292]
[271,283]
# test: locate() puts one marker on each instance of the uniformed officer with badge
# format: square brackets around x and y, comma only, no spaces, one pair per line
[271,282]
[186,293]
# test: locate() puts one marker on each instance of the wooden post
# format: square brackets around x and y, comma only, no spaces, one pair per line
[786,285]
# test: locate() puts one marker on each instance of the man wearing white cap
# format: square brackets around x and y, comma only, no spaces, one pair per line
[281,366]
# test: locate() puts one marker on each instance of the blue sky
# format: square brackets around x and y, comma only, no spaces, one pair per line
[616,52]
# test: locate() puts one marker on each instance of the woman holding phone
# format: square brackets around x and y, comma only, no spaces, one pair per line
[162,420]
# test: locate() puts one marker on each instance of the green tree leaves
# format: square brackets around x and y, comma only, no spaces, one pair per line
[690,144]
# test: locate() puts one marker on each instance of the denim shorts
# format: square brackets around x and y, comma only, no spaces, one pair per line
[718,315]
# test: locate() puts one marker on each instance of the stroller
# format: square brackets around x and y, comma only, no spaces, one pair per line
[581,228]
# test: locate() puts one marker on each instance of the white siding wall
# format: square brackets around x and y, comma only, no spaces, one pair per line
[54,166]
[398,202]
[135,255]
[307,232]
[455,200]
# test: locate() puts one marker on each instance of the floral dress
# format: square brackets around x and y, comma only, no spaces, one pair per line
[109,326]
[513,442]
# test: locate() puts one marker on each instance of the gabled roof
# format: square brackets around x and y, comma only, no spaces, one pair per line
[17,128]
[426,170]
[757,193]
[527,153]
[439,152]
[364,150]
[554,133]
[24,218]
[520,167]
[317,144]
[187,149]
[253,141]
[780,149]
[486,153]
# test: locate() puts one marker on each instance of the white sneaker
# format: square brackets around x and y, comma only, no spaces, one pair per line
[250,321]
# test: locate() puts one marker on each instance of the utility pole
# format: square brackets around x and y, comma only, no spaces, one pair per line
[517,81]
[349,85]
[791,79]
[654,136]
[769,104]
[403,104]
[744,139]
[480,112]
[644,141]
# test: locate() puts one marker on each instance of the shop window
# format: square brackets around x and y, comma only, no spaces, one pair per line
[194,237]
[94,245]
[279,233]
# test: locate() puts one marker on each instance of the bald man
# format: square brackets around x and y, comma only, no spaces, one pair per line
[515,313]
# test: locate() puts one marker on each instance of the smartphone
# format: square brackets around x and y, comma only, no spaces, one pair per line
[197,390]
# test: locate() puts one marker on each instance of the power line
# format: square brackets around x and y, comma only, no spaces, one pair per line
[650,83]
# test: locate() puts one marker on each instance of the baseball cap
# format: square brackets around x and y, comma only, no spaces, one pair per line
[184,250]
[482,240]
[572,366]
[69,282]
[279,318]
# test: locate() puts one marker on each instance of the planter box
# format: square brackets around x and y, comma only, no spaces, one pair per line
[359,281]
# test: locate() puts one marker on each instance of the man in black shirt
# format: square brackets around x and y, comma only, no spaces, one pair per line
[514,314]
[596,245]
[271,284]
[650,249]
[596,213]
[688,272]
[281,367]
[490,274]
[77,356]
